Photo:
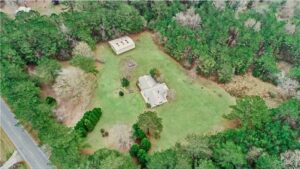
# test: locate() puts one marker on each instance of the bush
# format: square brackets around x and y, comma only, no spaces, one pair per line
[145,144]
[121,93]
[138,133]
[225,73]
[84,63]
[265,68]
[47,70]
[125,82]
[154,73]
[295,73]
[143,157]
[88,122]
[51,101]
[134,149]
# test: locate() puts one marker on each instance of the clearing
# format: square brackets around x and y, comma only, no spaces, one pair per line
[196,105]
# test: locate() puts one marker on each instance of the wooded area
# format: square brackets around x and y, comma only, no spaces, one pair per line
[217,42]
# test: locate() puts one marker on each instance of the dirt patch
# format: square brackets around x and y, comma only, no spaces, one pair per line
[247,85]
[127,67]
[284,66]
[287,10]
[73,90]
[44,7]
[119,137]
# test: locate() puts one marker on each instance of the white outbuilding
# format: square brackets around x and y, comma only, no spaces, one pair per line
[122,44]
[23,9]
[153,93]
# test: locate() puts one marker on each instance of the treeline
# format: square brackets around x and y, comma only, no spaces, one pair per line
[259,142]
[219,43]
[88,122]
[32,39]
[99,22]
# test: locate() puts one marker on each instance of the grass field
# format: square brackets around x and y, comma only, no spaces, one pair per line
[6,147]
[197,107]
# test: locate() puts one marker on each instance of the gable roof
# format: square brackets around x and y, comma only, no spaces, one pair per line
[122,44]
[153,93]
[146,82]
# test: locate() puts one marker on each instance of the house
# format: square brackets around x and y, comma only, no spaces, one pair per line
[153,93]
[122,44]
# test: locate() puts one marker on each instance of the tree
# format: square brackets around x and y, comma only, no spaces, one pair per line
[289,111]
[206,164]
[295,73]
[196,148]
[265,68]
[229,155]
[143,157]
[252,111]
[150,123]
[162,160]
[47,70]
[189,18]
[84,63]
[265,161]
[138,133]
[108,159]
[168,159]
[134,149]
[125,82]
[145,144]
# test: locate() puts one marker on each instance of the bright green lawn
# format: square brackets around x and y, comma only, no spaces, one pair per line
[198,105]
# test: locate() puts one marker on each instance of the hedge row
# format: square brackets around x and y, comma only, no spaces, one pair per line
[88,122]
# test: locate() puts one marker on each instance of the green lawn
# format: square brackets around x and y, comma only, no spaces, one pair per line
[198,105]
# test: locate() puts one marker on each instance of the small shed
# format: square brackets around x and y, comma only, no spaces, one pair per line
[122,44]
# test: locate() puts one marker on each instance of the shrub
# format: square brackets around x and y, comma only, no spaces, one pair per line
[125,82]
[143,157]
[47,70]
[225,73]
[295,73]
[51,101]
[154,73]
[265,68]
[121,93]
[88,122]
[84,63]
[145,144]
[134,149]
[138,133]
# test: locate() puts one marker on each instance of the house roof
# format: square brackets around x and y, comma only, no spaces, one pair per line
[122,44]
[153,93]
[146,82]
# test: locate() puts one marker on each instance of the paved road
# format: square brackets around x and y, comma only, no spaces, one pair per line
[28,149]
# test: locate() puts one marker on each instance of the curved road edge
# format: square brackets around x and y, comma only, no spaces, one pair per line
[25,145]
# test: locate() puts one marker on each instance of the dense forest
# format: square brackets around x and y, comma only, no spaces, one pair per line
[198,35]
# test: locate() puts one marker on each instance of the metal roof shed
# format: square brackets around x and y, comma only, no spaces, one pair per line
[122,44]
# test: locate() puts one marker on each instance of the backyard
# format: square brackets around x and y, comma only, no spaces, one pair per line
[196,105]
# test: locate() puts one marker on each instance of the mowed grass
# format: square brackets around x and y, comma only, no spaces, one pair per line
[197,107]
[6,147]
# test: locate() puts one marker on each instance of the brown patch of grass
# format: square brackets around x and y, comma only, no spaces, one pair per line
[247,85]
[6,147]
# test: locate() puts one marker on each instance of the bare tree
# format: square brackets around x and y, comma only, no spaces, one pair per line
[189,18]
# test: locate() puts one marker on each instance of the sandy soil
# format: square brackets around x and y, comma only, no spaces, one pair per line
[73,90]
[119,137]
[247,85]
